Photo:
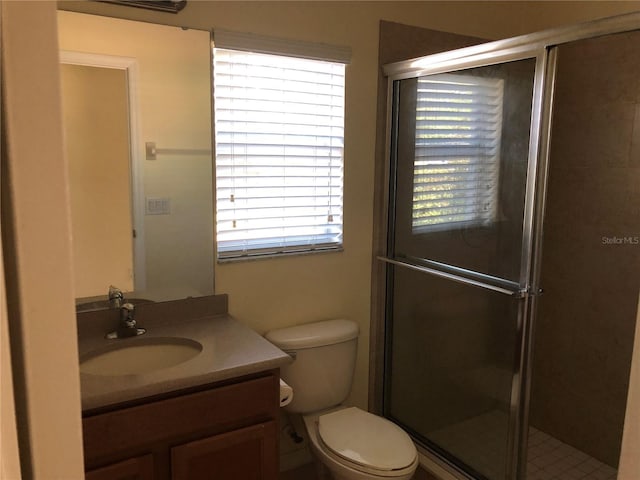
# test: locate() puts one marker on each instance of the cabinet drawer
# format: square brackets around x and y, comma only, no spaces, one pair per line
[203,413]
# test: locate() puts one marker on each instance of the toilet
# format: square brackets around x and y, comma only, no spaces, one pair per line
[351,443]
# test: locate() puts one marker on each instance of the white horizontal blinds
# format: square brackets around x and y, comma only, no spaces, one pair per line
[250,42]
[457,151]
[279,153]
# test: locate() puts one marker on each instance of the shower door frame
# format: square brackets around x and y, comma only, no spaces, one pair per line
[525,291]
[540,45]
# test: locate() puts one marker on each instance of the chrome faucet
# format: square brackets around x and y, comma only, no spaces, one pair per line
[116,298]
[128,327]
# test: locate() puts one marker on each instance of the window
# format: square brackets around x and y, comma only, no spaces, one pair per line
[279,129]
[457,151]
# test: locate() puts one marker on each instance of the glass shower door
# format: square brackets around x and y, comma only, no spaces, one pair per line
[464,146]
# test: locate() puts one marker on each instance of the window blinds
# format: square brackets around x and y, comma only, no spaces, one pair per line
[250,42]
[457,151]
[279,153]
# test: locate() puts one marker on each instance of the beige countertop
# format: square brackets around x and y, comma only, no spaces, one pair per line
[229,349]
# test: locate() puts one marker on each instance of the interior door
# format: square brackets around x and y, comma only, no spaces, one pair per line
[464,149]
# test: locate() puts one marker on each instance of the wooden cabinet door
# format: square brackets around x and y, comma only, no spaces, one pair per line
[138,468]
[249,453]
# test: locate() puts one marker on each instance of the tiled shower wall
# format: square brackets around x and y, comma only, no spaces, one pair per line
[591,255]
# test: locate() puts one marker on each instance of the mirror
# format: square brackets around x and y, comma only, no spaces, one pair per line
[137,121]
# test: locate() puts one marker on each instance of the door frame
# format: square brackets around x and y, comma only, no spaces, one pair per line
[130,66]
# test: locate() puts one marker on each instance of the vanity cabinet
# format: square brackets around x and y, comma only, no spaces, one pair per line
[226,430]
[241,454]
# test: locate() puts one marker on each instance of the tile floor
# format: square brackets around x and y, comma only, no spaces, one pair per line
[308,472]
[305,472]
[549,458]
[481,439]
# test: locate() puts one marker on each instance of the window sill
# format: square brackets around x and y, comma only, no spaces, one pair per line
[273,256]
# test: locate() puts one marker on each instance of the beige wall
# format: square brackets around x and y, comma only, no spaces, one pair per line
[268,294]
[36,240]
[9,455]
[174,105]
[56,429]
[96,125]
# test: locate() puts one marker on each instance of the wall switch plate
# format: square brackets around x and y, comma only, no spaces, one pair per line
[157,205]
[150,150]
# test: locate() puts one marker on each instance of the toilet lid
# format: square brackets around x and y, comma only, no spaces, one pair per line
[366,439]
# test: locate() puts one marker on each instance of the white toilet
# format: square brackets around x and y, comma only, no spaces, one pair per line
[351,443]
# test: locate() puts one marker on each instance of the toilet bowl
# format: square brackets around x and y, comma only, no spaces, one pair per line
[351,443]
[362,446]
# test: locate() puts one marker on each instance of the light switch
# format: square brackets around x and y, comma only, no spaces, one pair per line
[150,150]
[158,205]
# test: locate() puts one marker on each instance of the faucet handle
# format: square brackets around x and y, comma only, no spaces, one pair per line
[128,326]
[116,297]
[127,314]
[127,317]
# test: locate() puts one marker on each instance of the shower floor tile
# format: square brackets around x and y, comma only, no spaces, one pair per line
[478,441]
[482,439]
[550,459]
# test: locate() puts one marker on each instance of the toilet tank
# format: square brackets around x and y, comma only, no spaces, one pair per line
[324,360]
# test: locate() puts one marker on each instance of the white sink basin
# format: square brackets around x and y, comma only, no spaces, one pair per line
[139,355]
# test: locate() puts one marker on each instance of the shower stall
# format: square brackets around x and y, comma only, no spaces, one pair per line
[512,251]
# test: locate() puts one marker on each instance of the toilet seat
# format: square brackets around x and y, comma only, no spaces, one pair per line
[366,442]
